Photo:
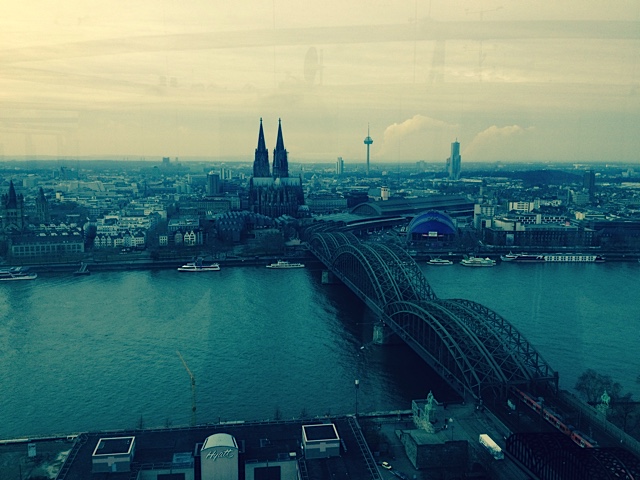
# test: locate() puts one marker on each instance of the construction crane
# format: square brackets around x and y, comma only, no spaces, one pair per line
[193,389]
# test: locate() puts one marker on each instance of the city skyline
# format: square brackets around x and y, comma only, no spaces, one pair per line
[512,82]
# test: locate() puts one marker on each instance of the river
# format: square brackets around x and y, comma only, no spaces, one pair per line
[100,352]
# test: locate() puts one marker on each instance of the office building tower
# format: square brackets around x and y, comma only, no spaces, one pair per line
[214,186]
[339,166]
[589,183]
[453,162]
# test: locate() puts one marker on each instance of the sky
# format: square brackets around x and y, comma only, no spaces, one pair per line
[516,81]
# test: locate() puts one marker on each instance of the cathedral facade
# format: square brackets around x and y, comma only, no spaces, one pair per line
[272,192]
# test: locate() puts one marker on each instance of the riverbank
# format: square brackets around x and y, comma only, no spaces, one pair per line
[144,261]
[147,263]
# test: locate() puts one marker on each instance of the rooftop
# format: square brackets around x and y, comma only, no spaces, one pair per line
[261,442]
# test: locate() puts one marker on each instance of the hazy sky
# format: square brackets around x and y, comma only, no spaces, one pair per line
[511,80]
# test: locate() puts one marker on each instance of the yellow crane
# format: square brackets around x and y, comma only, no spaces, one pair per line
[193,389]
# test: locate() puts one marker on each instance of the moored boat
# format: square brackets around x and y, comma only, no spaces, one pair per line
[477,262]
[522,257]
[198,266]
[439,261]
[285,264]
[16,273]
[574,257]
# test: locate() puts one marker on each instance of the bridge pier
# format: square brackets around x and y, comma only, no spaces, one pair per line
[383,335]
[328,278]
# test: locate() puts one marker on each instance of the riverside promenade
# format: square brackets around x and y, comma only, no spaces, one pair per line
[143,261]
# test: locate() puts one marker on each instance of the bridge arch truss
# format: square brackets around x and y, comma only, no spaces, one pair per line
[470,345]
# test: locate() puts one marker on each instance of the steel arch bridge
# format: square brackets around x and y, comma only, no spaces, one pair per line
[468,344]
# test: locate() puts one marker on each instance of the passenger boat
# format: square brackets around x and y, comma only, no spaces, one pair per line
[197,266]
[477,262]
[17,273]
[574,257]
[285,264]
[522,257]
[439,261]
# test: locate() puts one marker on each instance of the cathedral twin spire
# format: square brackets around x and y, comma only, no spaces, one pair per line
[261,161]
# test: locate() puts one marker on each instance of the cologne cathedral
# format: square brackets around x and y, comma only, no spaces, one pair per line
[274,193]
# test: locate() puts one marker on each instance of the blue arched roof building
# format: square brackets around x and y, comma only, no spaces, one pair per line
[431,226]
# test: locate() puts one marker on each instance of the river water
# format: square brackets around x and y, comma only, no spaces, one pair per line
[100,352]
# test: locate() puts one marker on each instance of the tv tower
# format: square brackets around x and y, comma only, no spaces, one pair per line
[368,141]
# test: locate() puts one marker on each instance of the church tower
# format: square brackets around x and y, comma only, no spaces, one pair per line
[261,161]
[12,210]
[42,207]
[280,163]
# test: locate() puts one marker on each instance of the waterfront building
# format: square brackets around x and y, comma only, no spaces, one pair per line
[513,233]
[41,246]
[233,226]
[432,227]
[137,239]
[277,193]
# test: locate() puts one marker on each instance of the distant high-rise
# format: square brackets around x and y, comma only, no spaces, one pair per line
[453,162]
[213,184]
[339,166]
[368,141]
[589,183]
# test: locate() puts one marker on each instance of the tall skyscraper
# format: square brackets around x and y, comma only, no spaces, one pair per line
[368,141]
[589,183]
[453,162]
[214,186]
[339,166]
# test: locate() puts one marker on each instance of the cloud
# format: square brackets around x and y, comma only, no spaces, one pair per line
[498,143]
[412,138]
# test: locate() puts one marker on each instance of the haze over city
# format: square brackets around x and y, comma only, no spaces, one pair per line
[511,81]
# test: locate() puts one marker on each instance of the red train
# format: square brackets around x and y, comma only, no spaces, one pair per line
[555,419]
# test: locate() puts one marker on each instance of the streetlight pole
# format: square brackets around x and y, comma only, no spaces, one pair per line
[357,384]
